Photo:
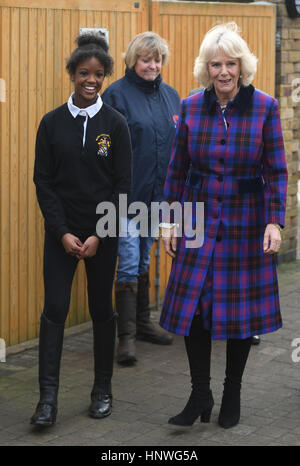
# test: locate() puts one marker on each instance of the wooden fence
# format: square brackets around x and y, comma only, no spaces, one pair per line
[36,36]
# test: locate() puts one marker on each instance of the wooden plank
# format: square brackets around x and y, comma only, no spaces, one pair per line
[40,107]
[216,10]
[23,179]
[58,59]
[35,293]
[13,176]
[67,48]
[4,179]
[49,50]
[109,5]
[185,60]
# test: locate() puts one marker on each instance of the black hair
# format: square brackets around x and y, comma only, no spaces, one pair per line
[90,45]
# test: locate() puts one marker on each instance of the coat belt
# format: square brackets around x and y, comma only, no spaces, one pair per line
[239,185]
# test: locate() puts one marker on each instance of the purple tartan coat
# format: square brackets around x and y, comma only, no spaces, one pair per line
[241,176]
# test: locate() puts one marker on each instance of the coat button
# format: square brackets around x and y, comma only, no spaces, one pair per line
[221,160]
[219,198]
[222,142]
[220,177]
[219,237]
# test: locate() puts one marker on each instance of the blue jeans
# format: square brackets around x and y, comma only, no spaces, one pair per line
[134,254]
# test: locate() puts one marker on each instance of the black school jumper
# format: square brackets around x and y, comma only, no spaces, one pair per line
[71,180]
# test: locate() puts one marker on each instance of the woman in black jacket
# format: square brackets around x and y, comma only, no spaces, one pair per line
[83,157]
[151,109]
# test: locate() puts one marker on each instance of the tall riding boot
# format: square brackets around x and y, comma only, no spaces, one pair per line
[104,346]
[50,349]
[126,295]
[145,329]
[200,403]
[237,352]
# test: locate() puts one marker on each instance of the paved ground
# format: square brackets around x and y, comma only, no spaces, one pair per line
[158,387]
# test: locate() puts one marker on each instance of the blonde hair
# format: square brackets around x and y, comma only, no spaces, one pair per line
[146,43]
[225,37]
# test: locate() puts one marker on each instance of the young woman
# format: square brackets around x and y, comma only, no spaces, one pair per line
[83,157]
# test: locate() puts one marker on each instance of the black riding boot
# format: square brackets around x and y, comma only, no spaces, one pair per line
[237,352]
[50,349]
[145,329]
[126,295]
[104,345]
[200,403]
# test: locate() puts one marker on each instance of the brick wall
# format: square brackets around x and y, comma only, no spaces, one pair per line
[287,71]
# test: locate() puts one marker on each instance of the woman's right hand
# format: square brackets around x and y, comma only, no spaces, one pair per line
[72,245]
[169,239]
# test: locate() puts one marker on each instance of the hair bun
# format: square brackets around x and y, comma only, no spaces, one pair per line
[92,38]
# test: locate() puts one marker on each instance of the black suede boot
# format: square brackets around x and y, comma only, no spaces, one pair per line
[126,299]
[104,344]
[50,349]
[237,352]
[200,403]
[145,329]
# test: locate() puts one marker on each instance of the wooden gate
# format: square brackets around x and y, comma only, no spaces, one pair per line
[184,25]
[36,36]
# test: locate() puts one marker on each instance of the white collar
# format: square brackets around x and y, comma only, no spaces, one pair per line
[90,111]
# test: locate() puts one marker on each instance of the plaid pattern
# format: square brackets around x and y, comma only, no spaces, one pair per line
[241,176]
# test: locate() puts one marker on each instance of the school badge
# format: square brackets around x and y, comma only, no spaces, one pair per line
[104,143]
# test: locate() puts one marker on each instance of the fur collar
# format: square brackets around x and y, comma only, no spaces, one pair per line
[242,100]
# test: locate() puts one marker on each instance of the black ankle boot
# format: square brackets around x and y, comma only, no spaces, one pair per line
[199,404]
[104,344]
[230,411]
[50,349]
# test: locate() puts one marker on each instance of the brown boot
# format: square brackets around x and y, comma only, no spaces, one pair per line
[145,329]
[125,294]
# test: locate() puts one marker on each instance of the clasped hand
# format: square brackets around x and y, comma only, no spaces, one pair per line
[74,247]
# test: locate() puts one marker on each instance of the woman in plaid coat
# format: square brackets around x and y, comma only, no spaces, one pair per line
[228,153]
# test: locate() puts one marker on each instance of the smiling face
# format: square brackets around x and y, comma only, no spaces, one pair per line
[88,80]
[224,73]
[148,67]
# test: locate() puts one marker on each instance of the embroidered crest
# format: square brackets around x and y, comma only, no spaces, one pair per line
[104,143]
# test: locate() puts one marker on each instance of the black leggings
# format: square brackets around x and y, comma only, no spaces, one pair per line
[59,269]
